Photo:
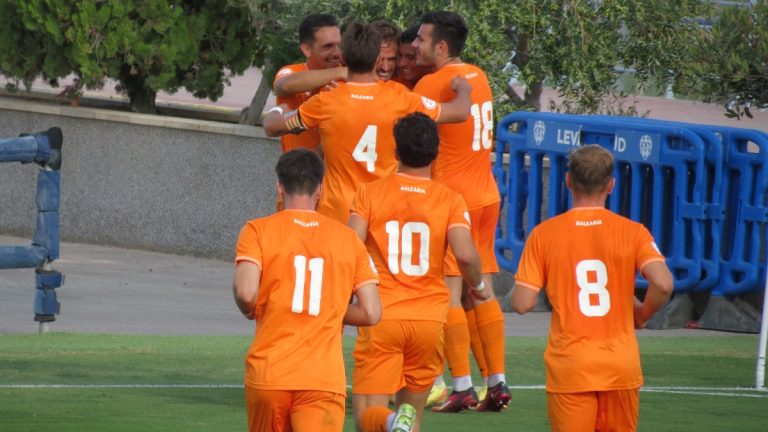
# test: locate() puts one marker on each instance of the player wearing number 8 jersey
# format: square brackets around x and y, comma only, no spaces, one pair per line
[296,271]
[407,220]
[355,121]
[587,259]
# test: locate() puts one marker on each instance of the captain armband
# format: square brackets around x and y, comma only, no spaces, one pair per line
[293,122]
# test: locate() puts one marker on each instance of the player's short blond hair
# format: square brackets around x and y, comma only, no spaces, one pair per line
[591,168]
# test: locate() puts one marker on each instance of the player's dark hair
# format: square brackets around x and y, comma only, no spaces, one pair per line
[300,171]
[313,23]
[389,32]
[450,28]
[360,46]
[416,140]
[591,169]
[409,35]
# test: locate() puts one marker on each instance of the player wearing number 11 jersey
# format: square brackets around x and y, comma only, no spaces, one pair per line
[296,271]
[587,259]
[355,121]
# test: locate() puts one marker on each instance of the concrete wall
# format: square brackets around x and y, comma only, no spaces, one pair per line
[146,182]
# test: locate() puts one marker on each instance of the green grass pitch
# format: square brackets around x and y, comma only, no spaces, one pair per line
[77,382]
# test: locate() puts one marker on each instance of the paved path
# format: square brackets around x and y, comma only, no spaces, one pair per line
[121,291]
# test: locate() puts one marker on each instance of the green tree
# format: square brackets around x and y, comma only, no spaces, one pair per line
[579,47]
[728,63]
[146,45]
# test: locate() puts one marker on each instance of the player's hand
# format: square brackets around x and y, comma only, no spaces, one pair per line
[459,84]
[481,295]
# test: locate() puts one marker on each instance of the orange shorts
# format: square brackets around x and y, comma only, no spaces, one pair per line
[484,222]
[397,353]
[614,411]
[294,410]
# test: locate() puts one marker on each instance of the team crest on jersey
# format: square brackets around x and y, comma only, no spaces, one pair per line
[429,103]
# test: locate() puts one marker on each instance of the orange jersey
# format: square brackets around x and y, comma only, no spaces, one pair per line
[408,221]
[309,138]
[587,259]
[310,266]
[464,160]
[355,121]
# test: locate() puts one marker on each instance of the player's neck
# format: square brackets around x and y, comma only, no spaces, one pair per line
[447,61]
[425,172]
[299,202]
[367,77]
[596,200]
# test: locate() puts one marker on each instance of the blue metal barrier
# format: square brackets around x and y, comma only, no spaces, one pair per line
[661,165]
[43,149]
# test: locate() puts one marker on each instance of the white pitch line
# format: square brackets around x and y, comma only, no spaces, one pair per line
[700,391]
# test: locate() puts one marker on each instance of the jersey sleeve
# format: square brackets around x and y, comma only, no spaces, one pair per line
[459,214]
[311,111]
[248,245]
[531,268]
[647,250]
[423,104]
[361,203]
[284,71]
[365,269]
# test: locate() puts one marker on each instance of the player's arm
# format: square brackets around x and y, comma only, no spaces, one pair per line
[307,81]
[278,121]
[246,287]
[467,258]
[660,285]
[523,298]
[366,311]
[457,110]
[360,225]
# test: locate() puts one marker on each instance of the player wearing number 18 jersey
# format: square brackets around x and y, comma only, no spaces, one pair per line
[355,121]
[587,259]
[407,220]
[464,165]
[296,271]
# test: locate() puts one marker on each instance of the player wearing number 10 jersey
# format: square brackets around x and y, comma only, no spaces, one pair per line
[407,220]
[355,121]
[587,259]
[296,271]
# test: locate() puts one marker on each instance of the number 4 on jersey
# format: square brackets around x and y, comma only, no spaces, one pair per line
[365,150]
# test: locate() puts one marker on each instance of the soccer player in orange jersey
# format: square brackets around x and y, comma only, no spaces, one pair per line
[407,220]
[319,39]
[355,121]
[587,258]
[314,79]
[464,165]
[386,64]
[408,71]
[296,271]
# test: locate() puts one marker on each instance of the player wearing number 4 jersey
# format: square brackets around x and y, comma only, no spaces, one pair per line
[355,121]
[464,165]
[296,271]
[587,259]
[407,220]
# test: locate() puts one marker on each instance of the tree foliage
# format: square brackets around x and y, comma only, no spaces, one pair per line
[579,47]
[146,45]
[728,63]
